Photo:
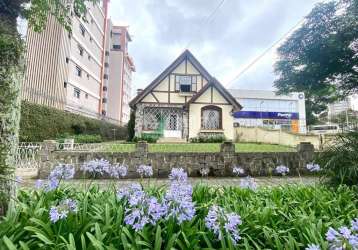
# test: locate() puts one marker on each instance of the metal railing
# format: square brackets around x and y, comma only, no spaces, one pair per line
[28,155]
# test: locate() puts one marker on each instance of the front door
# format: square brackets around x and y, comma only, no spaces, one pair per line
[172,126]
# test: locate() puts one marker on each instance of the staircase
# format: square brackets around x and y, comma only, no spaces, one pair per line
[171,140]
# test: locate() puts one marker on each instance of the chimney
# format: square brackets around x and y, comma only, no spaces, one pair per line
[139,91]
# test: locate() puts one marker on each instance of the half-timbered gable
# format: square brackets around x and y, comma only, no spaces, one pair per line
[174,104]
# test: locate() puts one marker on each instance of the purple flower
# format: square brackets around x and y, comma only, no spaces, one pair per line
[62,171]
[204,171]
[96,166]
[355,224]
[313,167]
[145,170]
[125,192]
[178,199]
[343,238]
[313,247]
[221,222]
[178,174]
[51,184]
[283,170]
[238,170]
[39,184]
[117,171]
[331,234]
[61,211]
[249,183]
[18,179]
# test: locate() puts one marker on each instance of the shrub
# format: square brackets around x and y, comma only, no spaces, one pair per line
[339,162]
[211,138]
[81,138]
[40,123]
[148,137]
[130,126]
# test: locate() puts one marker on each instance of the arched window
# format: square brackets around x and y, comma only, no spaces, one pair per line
[211,117]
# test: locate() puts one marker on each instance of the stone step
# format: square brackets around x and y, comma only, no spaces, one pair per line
[171,140]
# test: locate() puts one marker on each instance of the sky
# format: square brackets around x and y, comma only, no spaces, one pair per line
[238,32]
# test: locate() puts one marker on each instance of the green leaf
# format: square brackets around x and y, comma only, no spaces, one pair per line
[9,243]
[158,239]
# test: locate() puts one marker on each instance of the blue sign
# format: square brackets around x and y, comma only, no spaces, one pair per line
[266,115]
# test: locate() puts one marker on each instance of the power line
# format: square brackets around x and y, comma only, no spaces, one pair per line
[207,20]
[264,52]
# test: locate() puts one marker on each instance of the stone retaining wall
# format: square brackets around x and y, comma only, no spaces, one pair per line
[219,163]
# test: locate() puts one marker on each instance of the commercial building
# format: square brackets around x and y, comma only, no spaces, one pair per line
[70,71]
[263,108]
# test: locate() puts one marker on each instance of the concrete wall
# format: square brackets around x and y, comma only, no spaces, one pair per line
[219,163]
[248,134]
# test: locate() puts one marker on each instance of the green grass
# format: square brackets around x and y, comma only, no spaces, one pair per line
[201,147]
[286,217]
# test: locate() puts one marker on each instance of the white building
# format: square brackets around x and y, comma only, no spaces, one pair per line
[264,108]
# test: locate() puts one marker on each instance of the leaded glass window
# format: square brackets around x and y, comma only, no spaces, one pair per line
[211,117]
[156,118]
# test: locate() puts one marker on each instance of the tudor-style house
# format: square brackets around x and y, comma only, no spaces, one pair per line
[184,102]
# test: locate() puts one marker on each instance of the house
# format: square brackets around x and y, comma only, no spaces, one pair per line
[185,102]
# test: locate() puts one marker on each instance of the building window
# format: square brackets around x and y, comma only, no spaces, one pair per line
[67,60]
[82,29]
[185,83]
[105,76]
[78,71]
[88,76]
[104,100]
[211,117]
[65,84]
[86,95]
[116,46]
[80,50]
[104,112]
[106,64]
[92,21]
[107,53]
[89,58]
[77,93]
[91,39]
[104,88]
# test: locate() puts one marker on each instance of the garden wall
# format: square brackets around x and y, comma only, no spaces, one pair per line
[256,134]
[219,163]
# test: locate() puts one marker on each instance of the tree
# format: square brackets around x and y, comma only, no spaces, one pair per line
[131,125]
[321,57]
[11,71]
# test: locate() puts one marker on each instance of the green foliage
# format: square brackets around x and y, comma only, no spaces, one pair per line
[131,125]
[40,123]
[319,58]
[288,217]
[148,137]
[340,161]
[81,138]
[208,139]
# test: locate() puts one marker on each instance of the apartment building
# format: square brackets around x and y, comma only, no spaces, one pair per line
[70,71]
[119,71]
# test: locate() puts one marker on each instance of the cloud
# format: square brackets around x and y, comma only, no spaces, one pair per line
[238,32]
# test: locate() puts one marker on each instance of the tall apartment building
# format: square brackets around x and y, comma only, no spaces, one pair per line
[119,68]
[70,71]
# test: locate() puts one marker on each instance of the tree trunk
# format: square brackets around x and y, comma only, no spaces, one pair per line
[11,75]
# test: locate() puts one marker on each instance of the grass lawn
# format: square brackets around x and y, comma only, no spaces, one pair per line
[201,147]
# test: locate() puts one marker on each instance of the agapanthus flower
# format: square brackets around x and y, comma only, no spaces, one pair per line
[62,210]
[249,183]
[18,179]
[178,199]
[204,171]
[141,209]
[313,247]
[51,184]
[62,172]
[283,170]
[343,237]
[312,167]
[145,170]
[221,223]
[39,184]
[238,170]
[96,167]
[117,171]
[178,174]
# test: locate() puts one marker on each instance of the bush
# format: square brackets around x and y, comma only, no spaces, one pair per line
[213,138]
[148,137]
[40,123]
[289,217]
[81,138]
[131,125]
[339,162]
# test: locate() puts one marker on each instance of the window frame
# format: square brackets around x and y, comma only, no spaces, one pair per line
[78,71]
[77,93]
[82,30]
[211,107]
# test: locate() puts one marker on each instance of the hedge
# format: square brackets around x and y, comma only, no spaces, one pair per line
[40,123]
